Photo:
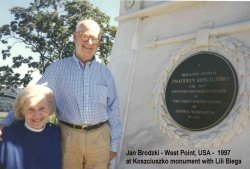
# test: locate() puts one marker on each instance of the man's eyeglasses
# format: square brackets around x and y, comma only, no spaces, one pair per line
[85,37]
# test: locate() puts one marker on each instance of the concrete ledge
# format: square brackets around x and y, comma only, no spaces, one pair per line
[158,9]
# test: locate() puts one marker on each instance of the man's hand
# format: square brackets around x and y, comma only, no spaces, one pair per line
[1,131]
[112,155]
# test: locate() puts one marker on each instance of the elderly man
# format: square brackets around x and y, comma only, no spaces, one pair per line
[87,103]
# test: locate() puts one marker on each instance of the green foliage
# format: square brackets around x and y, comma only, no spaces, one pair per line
[45,27]
[53,118]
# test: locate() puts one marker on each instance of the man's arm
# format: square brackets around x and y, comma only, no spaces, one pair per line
[112,155]
[49,77]
[114,119]
[10,118]
[1,129]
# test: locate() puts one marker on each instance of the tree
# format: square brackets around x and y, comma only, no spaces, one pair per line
[45,28]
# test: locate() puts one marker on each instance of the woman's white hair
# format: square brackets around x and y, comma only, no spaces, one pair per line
[29,92]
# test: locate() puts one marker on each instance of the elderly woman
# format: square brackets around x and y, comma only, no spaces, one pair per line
[30,142]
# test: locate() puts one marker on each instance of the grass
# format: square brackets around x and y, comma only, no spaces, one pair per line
[2,115]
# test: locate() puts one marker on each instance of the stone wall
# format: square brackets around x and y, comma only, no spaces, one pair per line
[6,100]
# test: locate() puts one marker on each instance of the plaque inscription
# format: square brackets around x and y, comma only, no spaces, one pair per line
[201,91]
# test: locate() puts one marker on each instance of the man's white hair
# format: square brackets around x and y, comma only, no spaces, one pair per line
[85,22]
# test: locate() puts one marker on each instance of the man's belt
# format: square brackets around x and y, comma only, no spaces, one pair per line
[87,128]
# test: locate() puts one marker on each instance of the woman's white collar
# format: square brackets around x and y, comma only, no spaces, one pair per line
[32,129]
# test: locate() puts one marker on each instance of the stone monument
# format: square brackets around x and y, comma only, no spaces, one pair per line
[182,70]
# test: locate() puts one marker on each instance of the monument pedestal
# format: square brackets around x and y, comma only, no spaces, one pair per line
[188,116]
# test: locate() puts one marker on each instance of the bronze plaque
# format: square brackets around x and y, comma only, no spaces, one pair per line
[201,91]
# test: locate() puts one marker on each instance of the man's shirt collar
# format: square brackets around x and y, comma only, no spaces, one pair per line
[79,63]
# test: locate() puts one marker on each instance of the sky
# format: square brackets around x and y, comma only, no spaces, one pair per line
[110,7]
